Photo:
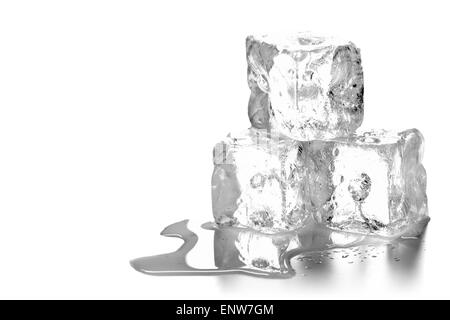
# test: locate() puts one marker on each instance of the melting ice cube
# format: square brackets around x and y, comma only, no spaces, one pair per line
[304,86]
[373,182]
[257,182]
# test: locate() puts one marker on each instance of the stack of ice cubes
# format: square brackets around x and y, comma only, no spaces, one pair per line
[303,160]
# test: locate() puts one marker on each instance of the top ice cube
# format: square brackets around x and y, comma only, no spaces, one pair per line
[303,86]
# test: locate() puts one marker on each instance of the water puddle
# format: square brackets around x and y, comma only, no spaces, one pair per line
[174,263]
[244,251]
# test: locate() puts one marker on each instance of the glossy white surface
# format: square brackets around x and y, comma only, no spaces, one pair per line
[109,112]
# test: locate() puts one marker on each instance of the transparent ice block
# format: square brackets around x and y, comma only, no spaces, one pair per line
[373,182]
[257,182]
[304,86]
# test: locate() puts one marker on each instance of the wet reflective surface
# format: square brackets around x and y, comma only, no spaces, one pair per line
[174,263]
[314,252]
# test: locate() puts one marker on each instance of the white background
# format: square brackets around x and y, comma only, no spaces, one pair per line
[109,111]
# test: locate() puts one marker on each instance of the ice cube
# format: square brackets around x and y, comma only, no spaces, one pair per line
[257,182]
[237,247]
[373,182]
[304,86]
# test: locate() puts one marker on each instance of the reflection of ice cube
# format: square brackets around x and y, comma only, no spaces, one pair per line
[304,86]
[237,248]
[373,182]
[257,182]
